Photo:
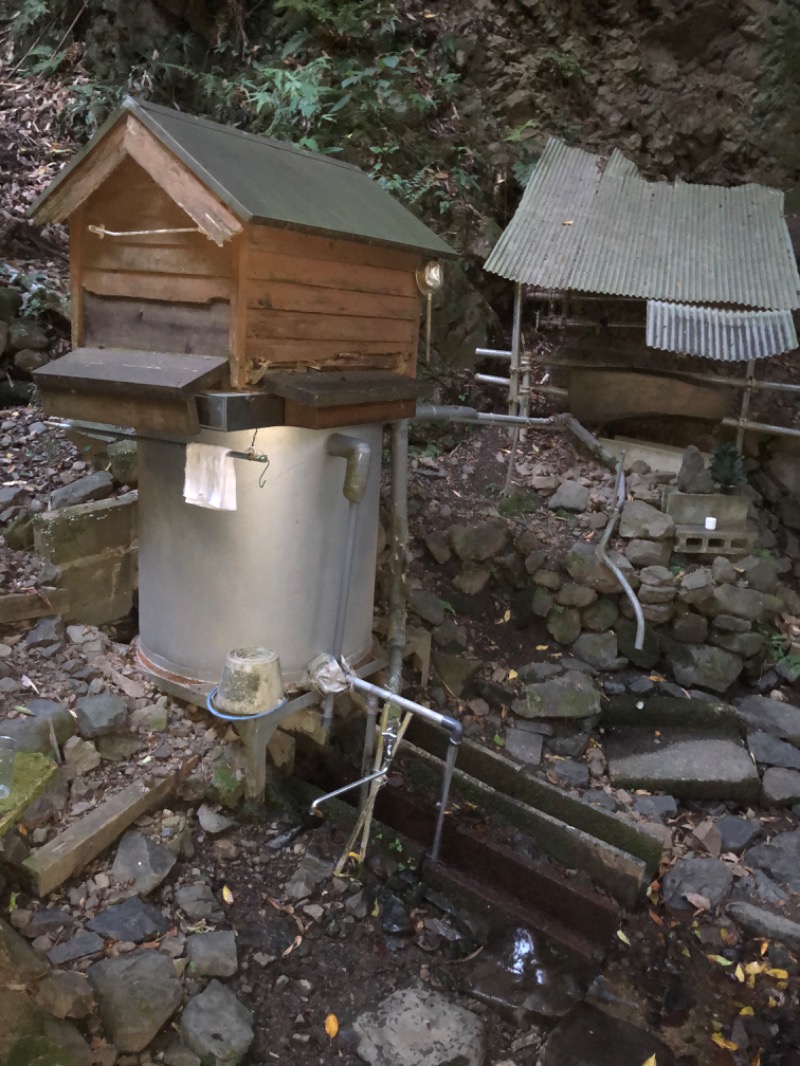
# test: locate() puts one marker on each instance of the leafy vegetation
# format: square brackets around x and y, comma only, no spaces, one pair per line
[727,467]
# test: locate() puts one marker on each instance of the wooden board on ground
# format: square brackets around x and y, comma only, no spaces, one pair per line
[610,395]
[67,853]
[21,606]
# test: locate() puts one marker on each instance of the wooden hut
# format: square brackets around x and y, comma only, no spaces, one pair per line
[201,255]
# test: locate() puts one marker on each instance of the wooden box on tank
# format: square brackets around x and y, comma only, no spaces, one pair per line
[201,256]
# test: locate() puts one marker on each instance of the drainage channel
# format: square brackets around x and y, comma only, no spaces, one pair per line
[552,895]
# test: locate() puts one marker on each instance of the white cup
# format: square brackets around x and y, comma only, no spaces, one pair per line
[711,523]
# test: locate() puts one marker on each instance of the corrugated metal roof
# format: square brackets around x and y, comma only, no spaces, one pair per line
[730,335]
[590,225]
[269,181]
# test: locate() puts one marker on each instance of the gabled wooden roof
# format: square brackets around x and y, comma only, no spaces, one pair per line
[224,178]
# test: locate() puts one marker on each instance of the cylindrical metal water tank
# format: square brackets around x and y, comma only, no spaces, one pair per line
[266,573]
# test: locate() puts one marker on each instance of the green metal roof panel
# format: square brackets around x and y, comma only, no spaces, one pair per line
[590,225]
[269,181]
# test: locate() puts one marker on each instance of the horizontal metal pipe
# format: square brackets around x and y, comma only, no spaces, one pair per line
[493,353]
[547,390]
[108,436]
[761,427]
[453,413]
[444,721]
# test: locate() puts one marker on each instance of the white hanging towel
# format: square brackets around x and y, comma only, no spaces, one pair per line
[210,479]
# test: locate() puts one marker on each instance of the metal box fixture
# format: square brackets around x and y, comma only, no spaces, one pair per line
[234,290]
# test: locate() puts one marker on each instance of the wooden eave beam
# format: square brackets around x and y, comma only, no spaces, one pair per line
[129,137]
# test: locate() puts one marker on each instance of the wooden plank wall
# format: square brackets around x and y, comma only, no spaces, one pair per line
[185,268]
[329,304]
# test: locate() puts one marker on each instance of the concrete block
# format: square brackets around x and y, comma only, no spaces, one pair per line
[79,532]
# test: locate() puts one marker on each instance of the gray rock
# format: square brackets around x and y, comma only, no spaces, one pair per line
[690,629]
[119,747]
[642,686]
[743,603]
[780,859]
[28,359]
[759,572]
[653,594]
[25,333]
[599,650]
[151,719]
[80,757]
[686,764]
[479,541]
[641,521]
[542,602]
[570,773]
[736,834]
[141,863]
[49,920]
[66,995]
[572,695]
[525,746]
[97,486]
[590,1037]
[420,1027]
[437,545]
[197,901]
[779,787]
[585,568]
[693,476]
[100,714]
[132,920]
[659,807]
[728,623]
[18,534]
[757,886]
[136,994]
[215,1025]
[455,671]
[745,644]
[569,496]
[539,671]
[601,615]
[178,1054]
[10,304]
[702,666]
[596,797]
[212,954]
[308,876]
[123,461]
[658,576]
[693,876]
[212,822]
[758,922]
[770,751]
[648,552]
[770,716]
[77,947]
[427,606]
[564,624]
[46,631]
[572,744]
[33,732]
[450,636]
[696,588]
[573,595]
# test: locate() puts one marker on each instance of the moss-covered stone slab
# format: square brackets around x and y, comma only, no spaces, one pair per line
[32,774]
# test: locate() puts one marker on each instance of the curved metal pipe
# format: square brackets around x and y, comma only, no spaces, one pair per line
[358,455]
[619,499]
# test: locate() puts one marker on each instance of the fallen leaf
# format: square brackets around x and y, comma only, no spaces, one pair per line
[738,973]
[512,674]
[376,910]
[780,975]
[650,1062]
[755,967]
[700,903]
[747,1012]
[227,895]
[623,937]
[298,940]
[542,647]
[720,960]
[720,1041]
[331,1026]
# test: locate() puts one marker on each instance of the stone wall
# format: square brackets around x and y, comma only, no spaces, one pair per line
[92,547]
